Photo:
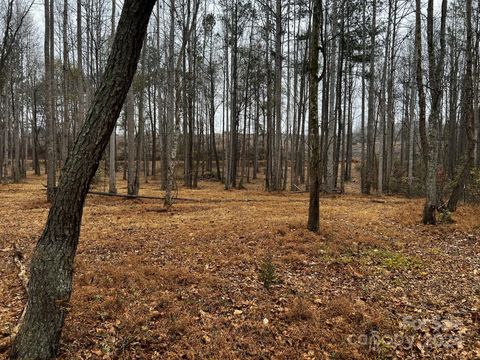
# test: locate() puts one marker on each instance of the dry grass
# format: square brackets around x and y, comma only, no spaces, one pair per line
[185,283]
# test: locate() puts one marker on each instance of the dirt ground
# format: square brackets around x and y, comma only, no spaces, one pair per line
[236,275]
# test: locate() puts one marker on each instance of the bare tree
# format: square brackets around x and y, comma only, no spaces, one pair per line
[436,62]
[468,111]
[313,137]
[49,100]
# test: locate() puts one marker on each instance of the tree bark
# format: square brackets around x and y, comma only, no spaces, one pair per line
[332,111]
[314,141]
[436,67]
[112,181]
[49,111]
[51,270]
[131,150]
[464,171]
[277,163]
[371,106]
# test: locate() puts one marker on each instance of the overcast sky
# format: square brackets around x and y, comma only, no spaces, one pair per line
[38,12]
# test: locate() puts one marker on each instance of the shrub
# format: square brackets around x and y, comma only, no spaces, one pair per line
[267,273]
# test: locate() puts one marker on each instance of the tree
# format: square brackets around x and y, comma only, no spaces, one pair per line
[49,101]
[467,105]
[51,270]
[174,88]
[170,145]
[314,141]
[132,179]
[332,113]
[10,36]
[277,163]
[112,181]
[370,160]
[436,62]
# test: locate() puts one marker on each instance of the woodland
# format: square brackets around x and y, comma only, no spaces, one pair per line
[242,179]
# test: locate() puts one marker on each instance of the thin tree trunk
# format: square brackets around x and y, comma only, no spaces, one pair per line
[130,121]
[277,163]
[371,106]
[112,181]
[49,111]
[464,171]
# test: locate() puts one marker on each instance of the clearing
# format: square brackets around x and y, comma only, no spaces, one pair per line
[190,283]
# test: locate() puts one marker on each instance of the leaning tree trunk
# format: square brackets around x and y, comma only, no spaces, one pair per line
[51,271]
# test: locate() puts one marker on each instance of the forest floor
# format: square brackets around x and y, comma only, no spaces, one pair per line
[190,283]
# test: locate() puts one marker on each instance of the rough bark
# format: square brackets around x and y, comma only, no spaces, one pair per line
[469,158]
[174,99]
[49,111]
[314,140]
[112,181]
[51,270]
[436,67]
[277,163]
[81,85]
[131,151]
[332,115]
[370,150]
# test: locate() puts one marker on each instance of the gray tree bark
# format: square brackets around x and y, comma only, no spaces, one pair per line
[112,180]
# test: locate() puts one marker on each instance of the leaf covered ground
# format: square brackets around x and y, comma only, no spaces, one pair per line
[236,275]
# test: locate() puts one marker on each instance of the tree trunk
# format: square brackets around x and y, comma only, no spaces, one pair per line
[81,85]
[363,180]
[277,163]
[35,142]
[411,133]
[51,271]
[370,157]
[112,181]
[464,171]
[170,143]
[436,65]
[131,153]
[314,141]
[332,111]
[141,127]
[49,111]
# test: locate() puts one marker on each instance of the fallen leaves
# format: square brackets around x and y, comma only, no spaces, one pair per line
[185,283]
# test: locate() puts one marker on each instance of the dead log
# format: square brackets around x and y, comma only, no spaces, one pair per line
[125,196]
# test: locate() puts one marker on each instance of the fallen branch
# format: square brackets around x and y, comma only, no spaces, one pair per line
[298,189]
[17,259]
[22,274]
[184,199]
[126,196]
